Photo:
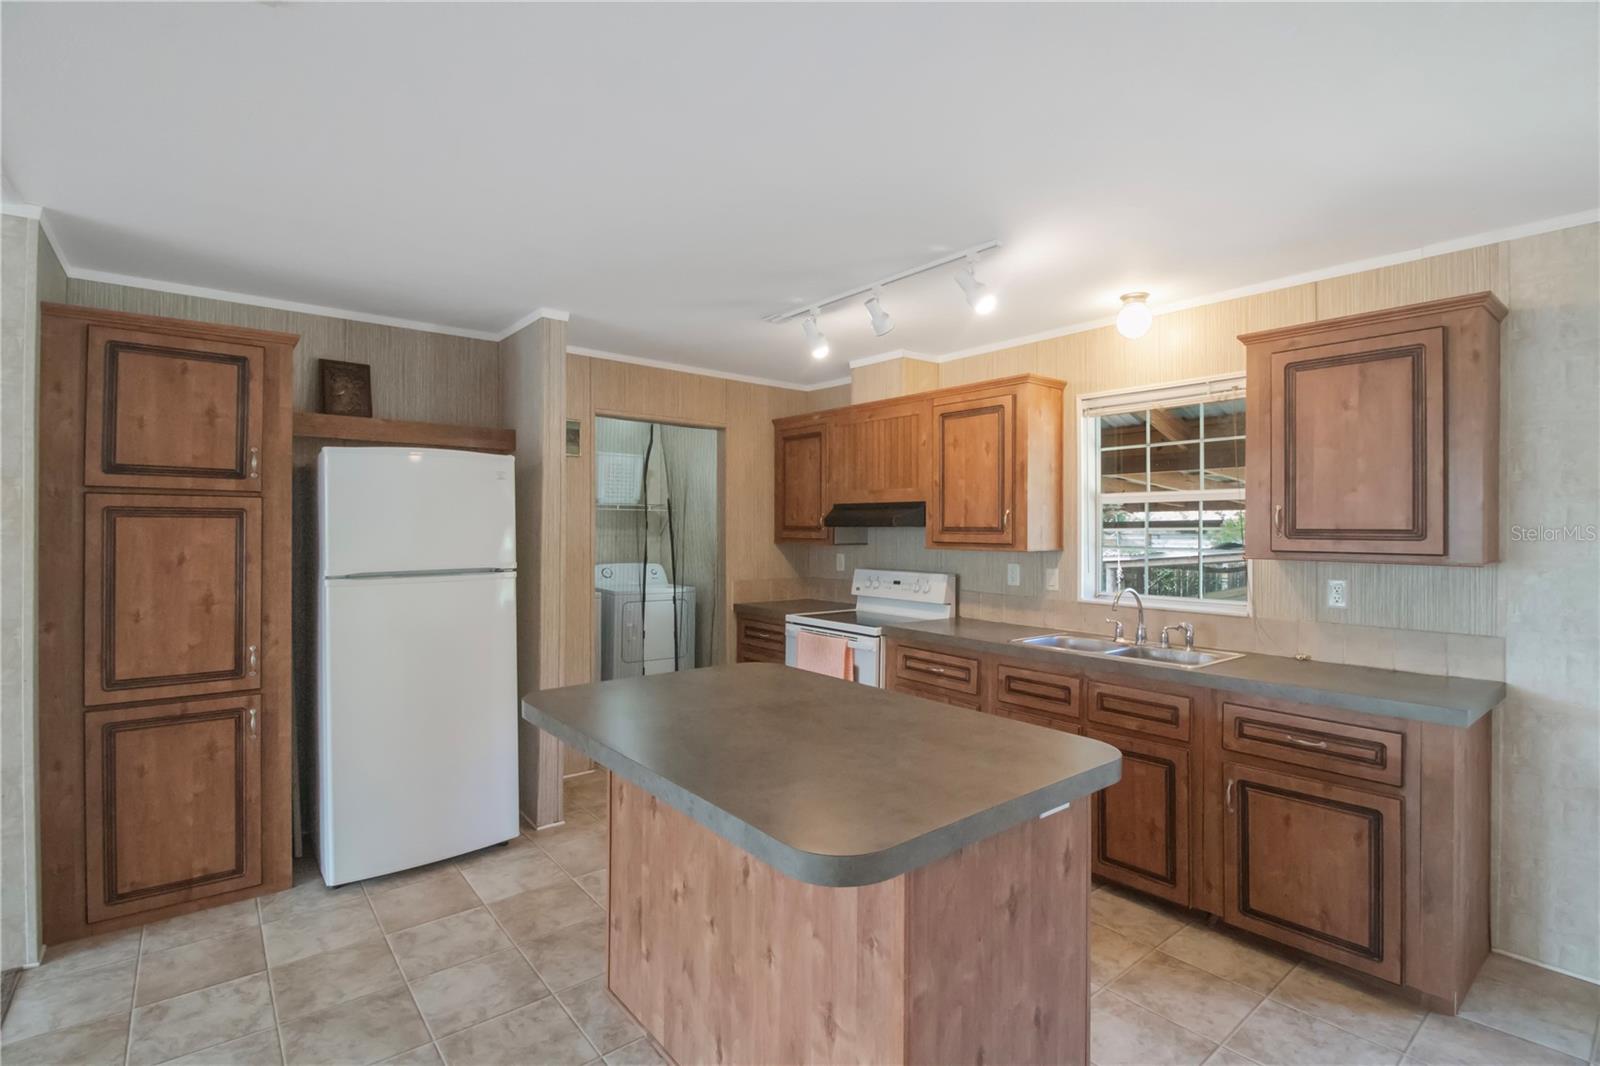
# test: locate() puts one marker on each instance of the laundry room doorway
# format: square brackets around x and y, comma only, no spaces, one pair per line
[658,550]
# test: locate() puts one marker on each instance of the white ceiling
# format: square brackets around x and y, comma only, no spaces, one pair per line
[669,174]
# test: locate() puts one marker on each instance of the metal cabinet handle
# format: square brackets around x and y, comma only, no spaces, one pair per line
[252,721]
[1303,742]
[255,462]
[252,661]
[1228,796]
[934,669]
[1005,522]
[1277,518]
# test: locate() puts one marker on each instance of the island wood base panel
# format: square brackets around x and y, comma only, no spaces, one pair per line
[982,956]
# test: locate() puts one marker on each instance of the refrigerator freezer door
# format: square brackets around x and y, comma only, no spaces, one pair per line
[417,715]
[408,510]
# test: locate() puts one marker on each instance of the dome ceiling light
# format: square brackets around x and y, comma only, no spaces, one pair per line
[1133,321]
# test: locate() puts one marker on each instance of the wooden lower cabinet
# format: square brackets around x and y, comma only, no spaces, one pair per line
[1314,865]
[1141,823]
[173,803]
[759,641]
[1356,838]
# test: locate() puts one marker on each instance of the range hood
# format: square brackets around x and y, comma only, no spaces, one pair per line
[876,515]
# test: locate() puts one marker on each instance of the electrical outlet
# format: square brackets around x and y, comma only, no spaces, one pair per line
[1338,595]
[838,562]
[1052,579]
[1013,574]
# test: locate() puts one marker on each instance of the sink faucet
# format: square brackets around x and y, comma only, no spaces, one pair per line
[1188,635]
[1138,600]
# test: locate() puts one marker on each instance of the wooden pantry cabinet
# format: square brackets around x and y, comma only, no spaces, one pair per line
[1359,839]
[985,459]
[1376,437]
[164,727]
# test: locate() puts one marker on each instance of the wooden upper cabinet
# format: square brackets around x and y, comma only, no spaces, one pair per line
[997,466]
[878,453]
[172,603]
[1314,865]
[974,484]
[985,459]
[802,474]
[1376,436]
[172,412]
[172,803]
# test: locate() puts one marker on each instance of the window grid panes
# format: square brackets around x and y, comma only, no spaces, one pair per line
[1170,501]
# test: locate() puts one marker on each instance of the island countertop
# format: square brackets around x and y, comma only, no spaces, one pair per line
[828,782]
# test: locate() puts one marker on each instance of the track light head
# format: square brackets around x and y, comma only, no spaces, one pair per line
[979,296]
[814,338]
[1133,321]
[881,322]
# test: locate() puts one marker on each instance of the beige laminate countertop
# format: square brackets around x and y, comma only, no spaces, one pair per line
[1453,701]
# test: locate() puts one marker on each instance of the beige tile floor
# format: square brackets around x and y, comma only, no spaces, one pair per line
[499,958]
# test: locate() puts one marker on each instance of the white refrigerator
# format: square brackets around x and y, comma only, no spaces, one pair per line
[417,661]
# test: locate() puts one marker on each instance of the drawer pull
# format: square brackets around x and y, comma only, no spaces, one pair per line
[1303,742]
[934,669]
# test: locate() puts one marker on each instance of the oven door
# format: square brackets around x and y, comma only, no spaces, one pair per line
[868,651]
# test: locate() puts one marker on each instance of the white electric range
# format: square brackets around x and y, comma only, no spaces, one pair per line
[883,597]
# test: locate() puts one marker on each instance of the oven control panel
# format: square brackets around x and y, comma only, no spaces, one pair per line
[908,585]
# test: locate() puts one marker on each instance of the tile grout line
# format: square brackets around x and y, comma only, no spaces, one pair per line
[272,995]
[133,995]
[411,992]
[555,994]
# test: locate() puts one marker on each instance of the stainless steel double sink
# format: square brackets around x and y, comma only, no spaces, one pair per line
[1095,647]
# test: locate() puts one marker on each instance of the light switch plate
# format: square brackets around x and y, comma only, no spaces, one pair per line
[1052,579]
[838,562]
[1338,594]
[1013,574]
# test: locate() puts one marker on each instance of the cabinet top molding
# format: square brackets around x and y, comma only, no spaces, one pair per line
[170,326]
[1486,300]
[969,389]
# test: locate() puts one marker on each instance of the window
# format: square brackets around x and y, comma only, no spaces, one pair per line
[1163,495]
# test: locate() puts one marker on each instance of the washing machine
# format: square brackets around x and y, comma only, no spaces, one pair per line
[635,620]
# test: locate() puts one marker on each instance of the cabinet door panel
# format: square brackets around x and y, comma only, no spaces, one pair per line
[1358,446]
[802,475]
[172,412]
[1141,823]
[878,455]
[173,803]
[1315,866]
[974,473]
[172,603]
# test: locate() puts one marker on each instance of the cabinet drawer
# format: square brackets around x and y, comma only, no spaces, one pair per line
[939,695]
[760,641]
[936,669]
[1049,721]
[1036,691]
[1337,747]
[1160,714]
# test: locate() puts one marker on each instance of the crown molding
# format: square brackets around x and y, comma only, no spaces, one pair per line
[683,368]
[884,357]
[180,289]
[21,210]
[1410,255]
[530,318]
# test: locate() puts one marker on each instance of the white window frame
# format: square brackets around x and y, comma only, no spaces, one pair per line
[1116,401]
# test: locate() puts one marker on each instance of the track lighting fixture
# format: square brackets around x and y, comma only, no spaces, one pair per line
[1133,321]
[814,338]
[881,322]
[979,296]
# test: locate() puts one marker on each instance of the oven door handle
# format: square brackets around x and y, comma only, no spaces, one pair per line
[857,642]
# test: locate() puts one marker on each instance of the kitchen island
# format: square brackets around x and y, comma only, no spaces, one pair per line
[806,870]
